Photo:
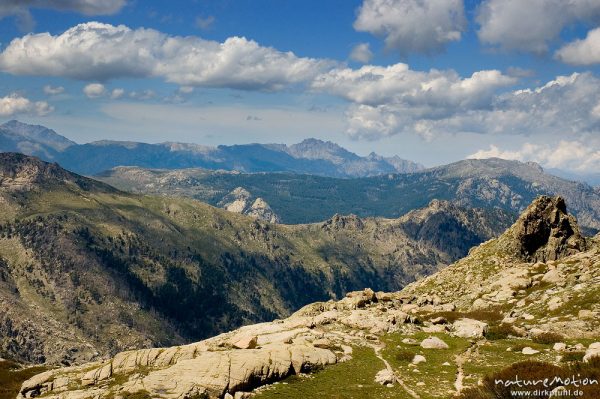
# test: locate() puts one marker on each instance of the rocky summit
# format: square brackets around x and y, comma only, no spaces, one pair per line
[507,302]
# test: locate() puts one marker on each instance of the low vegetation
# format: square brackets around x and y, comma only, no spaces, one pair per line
[12,375]
[493,388]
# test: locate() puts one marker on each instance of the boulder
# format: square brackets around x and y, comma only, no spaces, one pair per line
[559,346]
[529,351]
[419,359]
[592,351]
[469,328]
[553,277]
[433,343]
[385,377]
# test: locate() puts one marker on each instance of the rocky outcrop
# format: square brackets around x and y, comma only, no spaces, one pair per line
[242,201]
[238,361]
[545,231]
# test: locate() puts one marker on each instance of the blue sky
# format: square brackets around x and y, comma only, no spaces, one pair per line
[430,80]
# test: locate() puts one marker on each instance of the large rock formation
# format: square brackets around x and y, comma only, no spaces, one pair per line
[545,231]
[240,200]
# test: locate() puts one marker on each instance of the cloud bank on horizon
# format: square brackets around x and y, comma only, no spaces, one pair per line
[516,74]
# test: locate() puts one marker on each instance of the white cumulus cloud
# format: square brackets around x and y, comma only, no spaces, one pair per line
[567,155]
[413,26]
[390,100]
[385,101]
[96,51]
[94,90]
[582,52]
[531,25]
[361,53]
[117,93]
[52,91]
[14,104]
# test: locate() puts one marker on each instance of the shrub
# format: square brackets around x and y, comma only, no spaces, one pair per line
[548,338]
[519,347]
[501,331]
[537,371]
[405,356]
[143,394]
[575,356]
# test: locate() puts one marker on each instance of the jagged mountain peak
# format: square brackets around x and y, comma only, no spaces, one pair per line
[318,149]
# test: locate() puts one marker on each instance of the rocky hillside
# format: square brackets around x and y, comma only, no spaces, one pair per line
[523,306]
[311,156]
[489,183]
[87,271]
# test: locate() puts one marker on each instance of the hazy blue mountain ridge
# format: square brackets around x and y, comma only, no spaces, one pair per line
[312,156]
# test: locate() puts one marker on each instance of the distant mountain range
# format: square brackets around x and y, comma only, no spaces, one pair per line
[311,156]
[489,183]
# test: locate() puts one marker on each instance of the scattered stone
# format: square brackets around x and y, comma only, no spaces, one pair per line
[469,328]
[559,346]
[592,351]
[385,377]
[553,277]
[555,303]
[529,351]
[433,343]
[419,359]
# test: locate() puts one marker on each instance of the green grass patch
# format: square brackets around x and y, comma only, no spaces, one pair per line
[439,370]
[12,377]
[574,356]
[353,379]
